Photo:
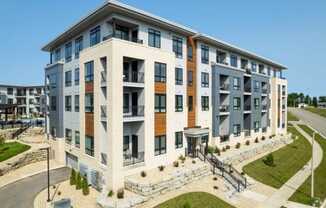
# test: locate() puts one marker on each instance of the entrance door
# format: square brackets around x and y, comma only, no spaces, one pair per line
[134,103]
[191,146]
[135,146]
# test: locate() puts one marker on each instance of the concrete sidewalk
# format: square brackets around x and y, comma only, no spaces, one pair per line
[281,196]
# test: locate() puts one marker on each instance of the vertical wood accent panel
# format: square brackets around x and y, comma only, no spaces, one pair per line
[89,117]
[191,90]
[160,118]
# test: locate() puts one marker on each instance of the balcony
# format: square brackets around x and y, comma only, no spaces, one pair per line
[264,107]
[132,39]
[224,108]
[264,91]
[103,113]
[247,107]
[132,159]
[134,77]
[224,87]
[103,78]
[133,113]
[247,89]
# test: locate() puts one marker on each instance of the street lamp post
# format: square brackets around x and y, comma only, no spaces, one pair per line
[312,166]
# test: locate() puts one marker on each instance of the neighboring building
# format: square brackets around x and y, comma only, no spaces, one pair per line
[302,105]
[321,104]
[27,98]
[129,91]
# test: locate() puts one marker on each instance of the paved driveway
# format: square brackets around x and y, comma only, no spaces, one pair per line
[21,194]
[312,119]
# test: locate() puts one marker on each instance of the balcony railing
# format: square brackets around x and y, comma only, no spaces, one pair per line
[224,108]
[264,91]
[247,107]
[135,40]
[225,87]
[264,107]
[132,159]
[136,77]
[247,89]
[131,111]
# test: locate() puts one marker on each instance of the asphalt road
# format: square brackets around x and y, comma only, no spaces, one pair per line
[315,121]
[21,194]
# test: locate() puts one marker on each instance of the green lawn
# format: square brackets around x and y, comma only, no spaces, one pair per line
[8,150]
[292,117]
[319,111]
[288,161]
[195,200]
[302,195]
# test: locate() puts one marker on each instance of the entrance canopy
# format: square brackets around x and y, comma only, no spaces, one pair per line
[196,132]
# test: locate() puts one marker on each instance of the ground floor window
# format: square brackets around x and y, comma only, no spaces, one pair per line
[68,135]
[89,145]
[126,143]
[256,126]
[160,145]
[178,139]
[77,139]
[236,130]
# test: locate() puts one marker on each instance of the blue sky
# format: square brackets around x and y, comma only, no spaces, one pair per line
[291,32]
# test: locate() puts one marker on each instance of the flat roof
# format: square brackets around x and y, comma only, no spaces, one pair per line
[21,86]
[113,6]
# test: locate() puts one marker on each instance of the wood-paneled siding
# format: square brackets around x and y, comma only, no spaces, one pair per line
[89,117]
[160,118]
[191,90]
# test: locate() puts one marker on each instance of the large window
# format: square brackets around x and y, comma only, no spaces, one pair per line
[204,103]
[177,46]
[89,145]
[204,79]
[160,72]
[89,71]
[68,103]
[68,136]
[77,139]
[236,103]
[253,67]
[190,79]
[53,103]
[234,60]
[10,91]
[236,130]
[95,36]
[57,54]
[204,54]
[154,38]
[256,103]
[256,126]
[89,102]
[68,78]
[76,103]
[68,52]
[77,76]
[256,86]
[236,83]
[160,145]
[160,103]
[178,103]
[178,76]
[178,139]
[190,53]
[78,46]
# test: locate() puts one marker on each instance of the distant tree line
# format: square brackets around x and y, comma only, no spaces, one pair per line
[295,98]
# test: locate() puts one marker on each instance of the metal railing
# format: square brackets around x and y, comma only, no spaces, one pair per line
[247,89]
[264,91]
[130,111]
[132,159]
[136,77]
[224,108]
[225,87]
[247,107]
[264,107]
[135,40]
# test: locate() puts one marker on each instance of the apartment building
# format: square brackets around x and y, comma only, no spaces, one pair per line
[27,98]
[129,91]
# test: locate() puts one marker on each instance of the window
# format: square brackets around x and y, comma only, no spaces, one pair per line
[77,76]
[76,103]
[10,91]
[68,78]
[190,53]
[178,139]
[95,36]
[126,142]
[160,72]
[53,103]
[236,103]
[204,79]
[178,103]
[68,136]
[257,103]
[204,103]
[126,103]
[77,139]
[189,78]
[236,83]
[154,38]
[57,54]
[236,130]
[78,46]
[204,54]
[253,67]
[178,76]
[177,46]
[269,71]
[160,145]
[68,103]
[89,145]
[52,81]
[256,126]
[221,57]
[68,52]
[261,69]
[89,71]
[190,103]
[234,61]
[160,103]
[89,103]
[256,86]
[122,32]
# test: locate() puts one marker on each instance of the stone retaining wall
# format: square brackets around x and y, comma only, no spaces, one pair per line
[177,180]
[7,133]
[22,160]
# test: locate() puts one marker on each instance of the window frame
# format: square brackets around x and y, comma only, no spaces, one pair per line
[77,144]
[89,71]
[160,72]
[178,103]
[156,38]
[89,150]
[68,52]
[177,46]
[236,107]
[190,78]
[68,103]
[68,136]
[178,139]
[178,75]
[89,107]
[238,86]
[77,104]
[160,107]
[234,60]
[204,103]
[96,32]
[256,103]
[161,148]
[205,79]
[77,74]
[204,54]
[78,46]
[68,78]
[236,130]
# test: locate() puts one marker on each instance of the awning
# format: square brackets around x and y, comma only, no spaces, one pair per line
[196,132]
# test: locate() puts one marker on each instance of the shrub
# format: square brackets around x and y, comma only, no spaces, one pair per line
[269,160]
[238,145]
[215,179]
[242,173]
[223,149]
[247,142]
[228,147]
[272,136]
[176,164]
[110,194]
[2,140]
[194,162]
[59,193]
[120,193]
[78,181]
[263,138]
[73,177]
[215,187]
[256,140]
[187,205]
[210,149]
[143,174]
[182,158]
[85,187]
[217,151]
[161,167]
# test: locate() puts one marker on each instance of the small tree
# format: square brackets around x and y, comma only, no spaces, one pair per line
[269,160]
[85,186]
[78,181]
[73,177]
[187,205]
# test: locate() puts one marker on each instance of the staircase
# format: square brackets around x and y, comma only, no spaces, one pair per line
[21,130]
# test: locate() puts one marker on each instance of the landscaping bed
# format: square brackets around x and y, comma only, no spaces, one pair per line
[302,195]
[195,200]
[11,149]
[287,161]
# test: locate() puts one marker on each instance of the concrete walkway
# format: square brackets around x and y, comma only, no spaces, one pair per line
[281,196]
